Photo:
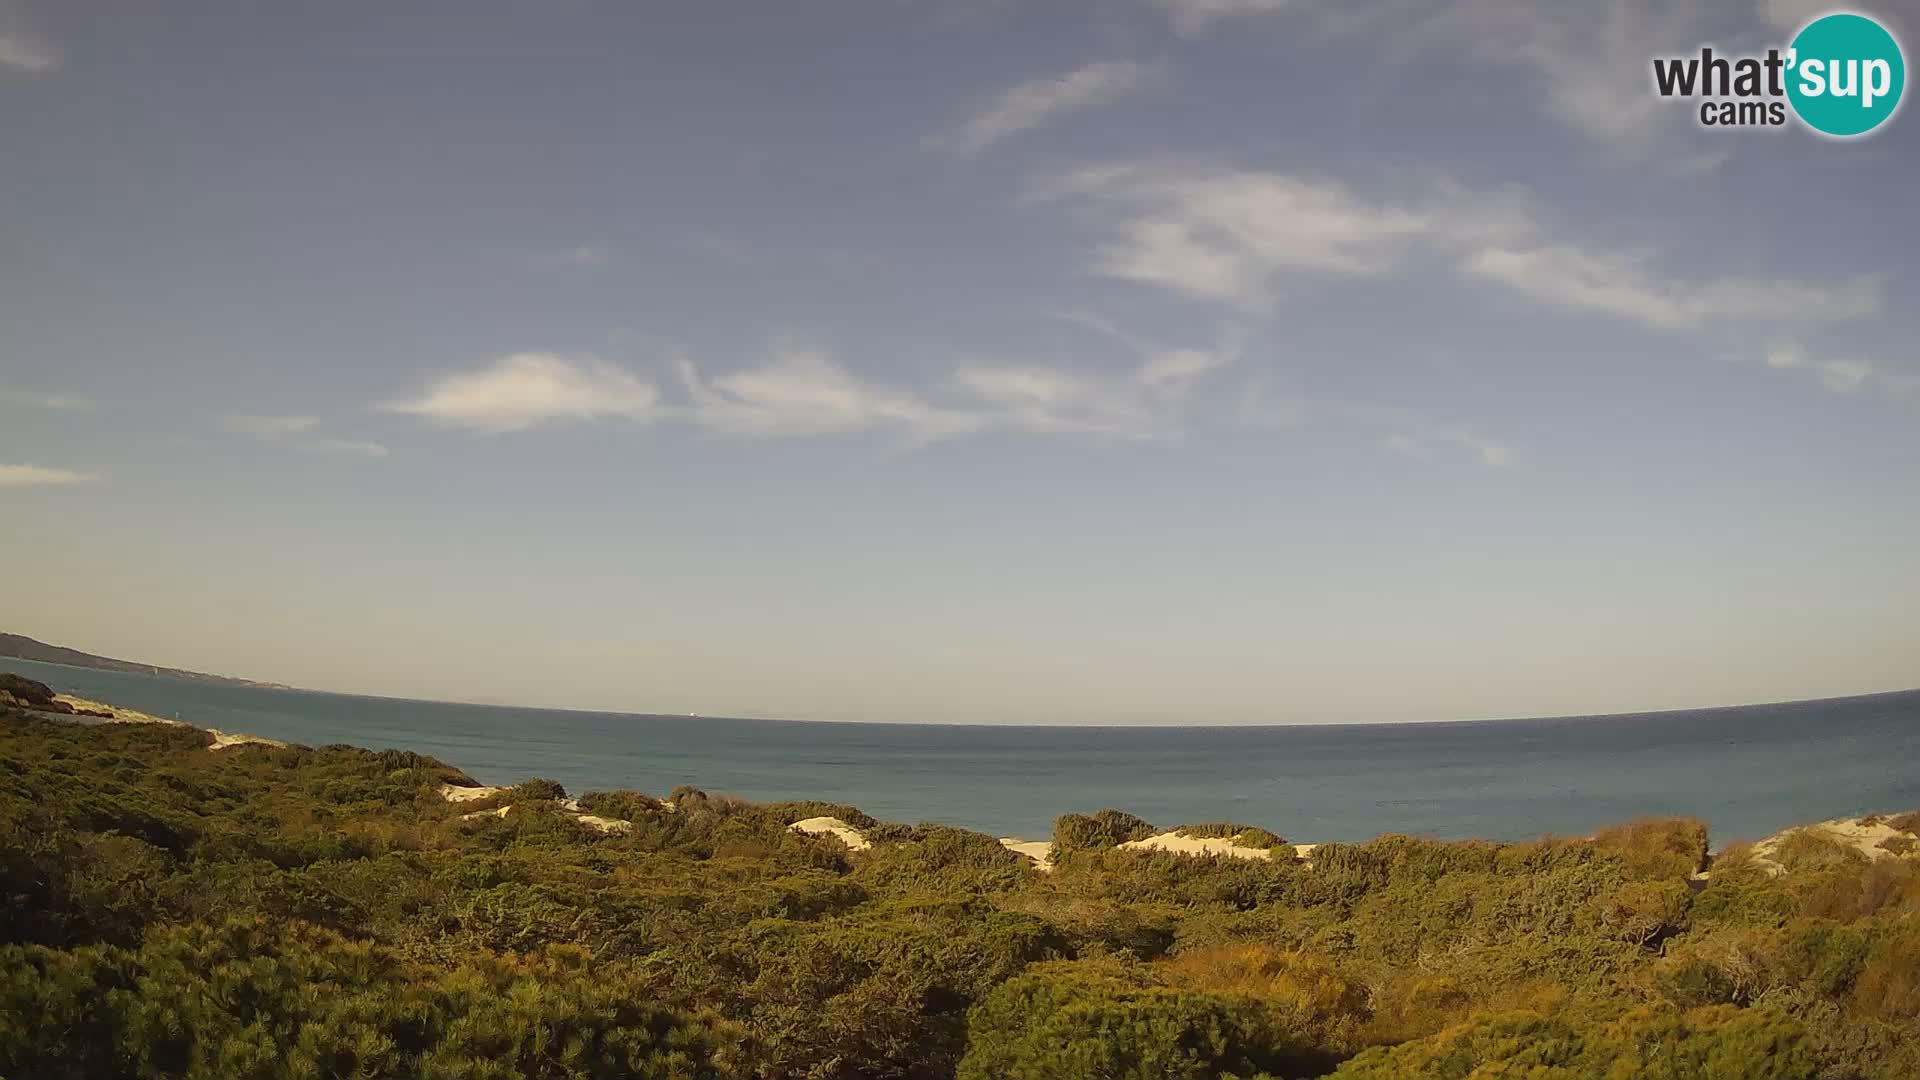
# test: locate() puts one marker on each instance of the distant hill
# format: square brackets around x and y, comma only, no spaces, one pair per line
[22,647]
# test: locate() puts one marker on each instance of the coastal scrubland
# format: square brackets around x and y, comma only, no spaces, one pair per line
[173,910]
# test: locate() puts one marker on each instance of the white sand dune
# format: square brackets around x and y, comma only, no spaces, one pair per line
[591,821]
[833,826]
[1181,844]
[1864,835]
[1040,851]
[452,793]
[116,714]
[222,740]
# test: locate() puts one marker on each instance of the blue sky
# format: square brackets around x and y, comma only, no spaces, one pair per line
[1179,361]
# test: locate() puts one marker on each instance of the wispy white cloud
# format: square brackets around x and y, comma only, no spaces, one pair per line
[1051,399]
[1040,101]
[1404,431]
[1193,17]
[800,391]
[45,399]
[1591,58]
[584,255]
[1627,286]
[41,476]
[526,389]
[1238,236]
[1222,234]
[1791,14]
[1843,374]
[22,50]
[268,427]
[26,54]
[1163,366]
[347,448]
[1144,400]
[803,391]
[1784,17]
[1226,234]
[300,433]
[1589,61]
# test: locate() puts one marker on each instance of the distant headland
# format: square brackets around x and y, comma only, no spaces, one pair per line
[21,647]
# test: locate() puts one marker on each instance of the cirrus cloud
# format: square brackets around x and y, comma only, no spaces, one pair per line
[42,476]
[300,433]
[526,389]
[1627,286]
[1227,234]
[54,400]
[1193,17]
[800,391]
[1039,101]
[268,427]
[26,54]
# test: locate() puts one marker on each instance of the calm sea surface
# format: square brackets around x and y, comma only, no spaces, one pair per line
[1749,770]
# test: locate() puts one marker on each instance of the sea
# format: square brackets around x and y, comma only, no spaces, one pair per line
[1747,770]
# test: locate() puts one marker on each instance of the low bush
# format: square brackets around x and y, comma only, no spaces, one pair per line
[802,809]
[1091,832]
[1244,835]
[167,913]
[537,788]
[1658,847]
[1714,1043]
[619,805]
[1067,1023]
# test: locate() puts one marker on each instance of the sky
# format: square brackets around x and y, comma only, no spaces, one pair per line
[1129,361]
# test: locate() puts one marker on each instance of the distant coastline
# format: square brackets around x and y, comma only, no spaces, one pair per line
[1749,771]
[21,647]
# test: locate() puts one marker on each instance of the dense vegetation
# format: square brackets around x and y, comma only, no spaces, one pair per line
[264,912]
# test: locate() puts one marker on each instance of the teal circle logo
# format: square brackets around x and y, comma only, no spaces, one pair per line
[1845,74]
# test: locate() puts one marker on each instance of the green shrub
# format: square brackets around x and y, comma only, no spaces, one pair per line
[1244,835]
[1066,1023]
[619,805]
[538,788]
[1091,832]
[802,809]
[293,912]
[1706,1044]
[1658,847]
[1646,913]
[1888,982]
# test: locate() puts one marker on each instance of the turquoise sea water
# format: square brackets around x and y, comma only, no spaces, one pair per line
[1748,770]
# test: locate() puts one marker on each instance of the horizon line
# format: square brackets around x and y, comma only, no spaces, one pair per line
[239,683]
